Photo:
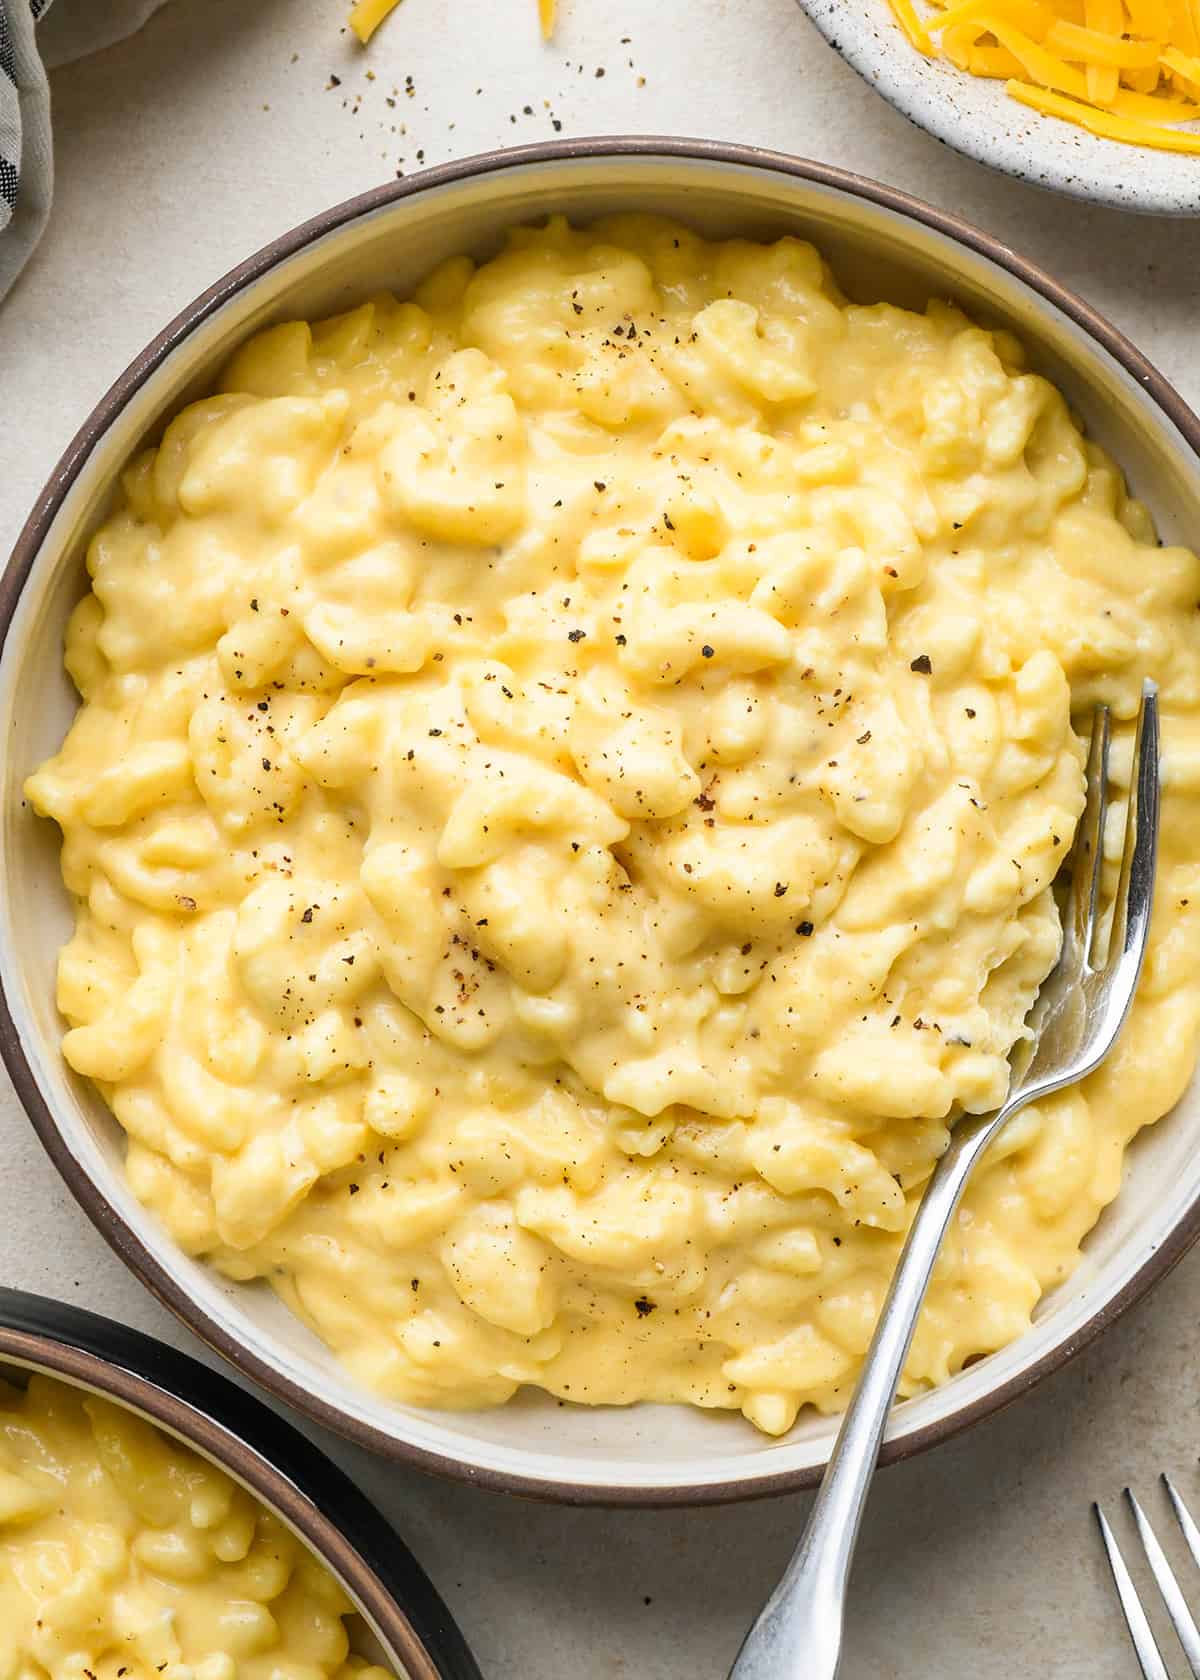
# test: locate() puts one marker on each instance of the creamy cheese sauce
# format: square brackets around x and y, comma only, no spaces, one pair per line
[126,1556]
[563,812]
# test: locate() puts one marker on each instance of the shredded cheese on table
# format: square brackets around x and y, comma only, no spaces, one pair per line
[1125,70]
[367,15]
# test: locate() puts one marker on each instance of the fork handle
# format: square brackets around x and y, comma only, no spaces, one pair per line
[798,1634]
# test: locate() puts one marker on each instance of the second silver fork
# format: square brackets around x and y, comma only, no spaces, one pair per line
[1073,1026]
[1182,1620]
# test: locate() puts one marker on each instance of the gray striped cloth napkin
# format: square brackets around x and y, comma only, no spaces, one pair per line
[26,161]
[31,42]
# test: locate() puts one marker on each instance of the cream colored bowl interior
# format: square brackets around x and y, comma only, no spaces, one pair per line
[643,1451]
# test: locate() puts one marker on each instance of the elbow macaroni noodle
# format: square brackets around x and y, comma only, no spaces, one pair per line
[562,818]
[126,1556]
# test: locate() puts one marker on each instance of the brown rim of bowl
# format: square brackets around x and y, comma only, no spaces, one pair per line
[268,1455]
[120,1236]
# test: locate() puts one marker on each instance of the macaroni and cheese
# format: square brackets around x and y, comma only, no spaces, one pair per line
[563,814]
[125,1554]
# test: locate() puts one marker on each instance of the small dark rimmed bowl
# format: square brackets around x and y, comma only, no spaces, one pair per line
[396,1600]
[883,244]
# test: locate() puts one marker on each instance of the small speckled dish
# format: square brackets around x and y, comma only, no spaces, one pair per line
[401,1620]
[977,118]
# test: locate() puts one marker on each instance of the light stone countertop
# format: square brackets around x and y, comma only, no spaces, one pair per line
[179,153]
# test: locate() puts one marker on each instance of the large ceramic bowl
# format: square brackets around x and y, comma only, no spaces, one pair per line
[977,118]
[402,1622]
[883,245]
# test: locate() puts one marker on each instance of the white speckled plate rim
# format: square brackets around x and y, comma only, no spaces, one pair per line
[976,117]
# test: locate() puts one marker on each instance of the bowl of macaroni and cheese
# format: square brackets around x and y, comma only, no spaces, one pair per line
[574,664]
[157,1520]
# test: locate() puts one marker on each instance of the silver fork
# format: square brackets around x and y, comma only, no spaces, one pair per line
[1148,1654]
[1072,1027]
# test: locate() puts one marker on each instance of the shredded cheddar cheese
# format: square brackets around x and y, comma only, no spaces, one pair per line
[1133,131]
[367,15]
[1125,70]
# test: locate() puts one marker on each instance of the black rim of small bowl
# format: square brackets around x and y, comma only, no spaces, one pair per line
[262,1450]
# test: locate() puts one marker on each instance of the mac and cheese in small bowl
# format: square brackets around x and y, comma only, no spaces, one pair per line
[574,753]
[157,1521]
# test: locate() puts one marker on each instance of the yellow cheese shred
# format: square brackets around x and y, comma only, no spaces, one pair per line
[1106,124]
[1184,68]
[367,15]
[1103,19]
[1090,47]
[906,17]
[1123,70]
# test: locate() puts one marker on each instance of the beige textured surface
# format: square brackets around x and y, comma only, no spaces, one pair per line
[184,149]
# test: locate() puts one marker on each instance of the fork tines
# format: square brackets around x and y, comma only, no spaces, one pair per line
[1148,1654]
